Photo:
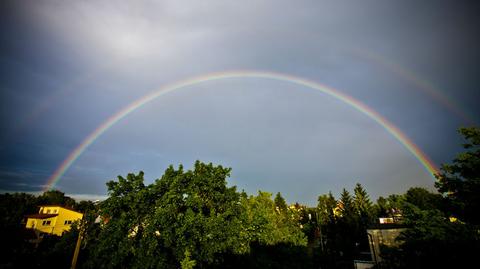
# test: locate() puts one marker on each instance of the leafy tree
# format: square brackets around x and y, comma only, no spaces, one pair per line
[423,199]
[460,181]
[382,208]
[432,241]
[13,208]
[267,226]
[326,208]
[390,206]
[185,218]
[197,212]
[56,197]
[327,229]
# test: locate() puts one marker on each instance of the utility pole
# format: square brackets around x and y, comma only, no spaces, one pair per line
[77,246]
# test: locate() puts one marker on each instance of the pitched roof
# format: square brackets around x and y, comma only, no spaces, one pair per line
[41,216]
[62,206]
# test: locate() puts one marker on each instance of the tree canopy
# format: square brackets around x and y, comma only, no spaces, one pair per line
[460,180]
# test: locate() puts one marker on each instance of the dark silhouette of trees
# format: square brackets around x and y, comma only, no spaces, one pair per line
[460,180]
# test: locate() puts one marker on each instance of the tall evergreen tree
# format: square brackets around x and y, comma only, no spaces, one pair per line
[347,207]
[280,203]
[363,205]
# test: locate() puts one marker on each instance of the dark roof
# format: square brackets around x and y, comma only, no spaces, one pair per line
[41,216]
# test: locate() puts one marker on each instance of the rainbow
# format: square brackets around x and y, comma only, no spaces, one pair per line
[361,107]
[421,84]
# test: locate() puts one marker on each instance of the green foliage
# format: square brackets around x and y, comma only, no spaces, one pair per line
[280,203]
[187,262]
[347,207]
[13,208]
[185,219]
[56,197]
[326,208]
[390,206]
[460,181]
[363,206]
[423,199]
[267,226]
[432,241]
[361,201]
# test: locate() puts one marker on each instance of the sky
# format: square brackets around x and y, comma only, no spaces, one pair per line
[67,66]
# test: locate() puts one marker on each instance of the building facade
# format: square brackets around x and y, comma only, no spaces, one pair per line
[52,219]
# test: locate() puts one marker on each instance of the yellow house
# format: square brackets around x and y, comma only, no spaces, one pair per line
[52,219]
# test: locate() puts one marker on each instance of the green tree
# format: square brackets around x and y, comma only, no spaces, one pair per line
[267,226]
[185,218]
[280,203]
[432,241]
[326,208]
[326,225]
[460,181]
[56,197]
[423,199]
[363,205]
[347,207]
[18,251]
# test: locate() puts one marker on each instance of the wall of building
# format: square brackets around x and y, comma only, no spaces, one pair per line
[386,237]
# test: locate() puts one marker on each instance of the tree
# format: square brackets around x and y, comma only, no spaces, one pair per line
[56,197]
[13,208]
[347,207]
[423,199]
[432,241]
[266,226]
[363,205]
[460,181]
[326,225]
[185,218]
[280,203]
[326,208]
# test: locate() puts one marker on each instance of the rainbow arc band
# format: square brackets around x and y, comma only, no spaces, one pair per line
[425,161]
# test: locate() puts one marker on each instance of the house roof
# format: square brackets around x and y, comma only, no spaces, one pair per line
[62,206]
[41,216]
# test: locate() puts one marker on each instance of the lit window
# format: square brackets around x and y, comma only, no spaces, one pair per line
[48,211]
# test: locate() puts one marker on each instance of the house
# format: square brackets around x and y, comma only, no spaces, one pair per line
[52,219]
[384,233]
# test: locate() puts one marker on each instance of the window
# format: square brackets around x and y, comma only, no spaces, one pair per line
[54,211]
[68,222]
[48,211]
[46,223]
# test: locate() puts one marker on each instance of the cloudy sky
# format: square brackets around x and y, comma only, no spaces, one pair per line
[67,66]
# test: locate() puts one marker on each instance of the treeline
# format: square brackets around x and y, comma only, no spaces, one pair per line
[192,219]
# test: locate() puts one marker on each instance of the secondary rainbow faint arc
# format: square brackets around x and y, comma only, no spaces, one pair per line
[387,125]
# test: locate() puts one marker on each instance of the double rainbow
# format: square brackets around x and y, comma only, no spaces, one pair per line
[359,106]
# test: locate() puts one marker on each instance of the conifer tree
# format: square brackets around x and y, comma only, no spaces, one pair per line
[363,205]
[280,203]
